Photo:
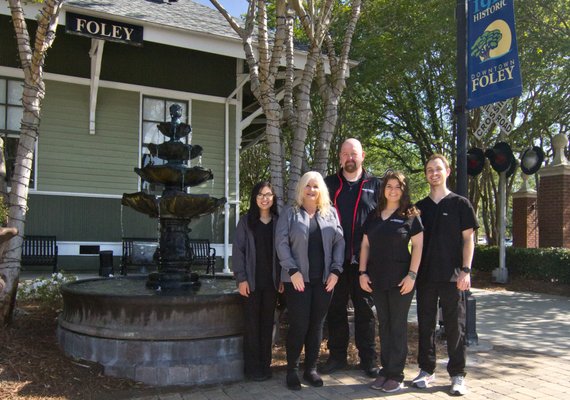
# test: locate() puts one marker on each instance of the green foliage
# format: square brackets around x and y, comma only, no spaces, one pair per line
[488,41]
[45,290]
[549,264]
[3,212]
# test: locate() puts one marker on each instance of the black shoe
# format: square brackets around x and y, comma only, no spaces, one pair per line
[292,380]
[313,378]
[370,370]
[332,365]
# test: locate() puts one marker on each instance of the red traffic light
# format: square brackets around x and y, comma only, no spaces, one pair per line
[502,158]
[475,161]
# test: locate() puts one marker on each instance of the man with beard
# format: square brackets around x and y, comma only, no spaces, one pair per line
[354,193]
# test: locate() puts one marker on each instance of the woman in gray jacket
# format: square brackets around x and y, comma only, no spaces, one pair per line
[257,274]
[310,246]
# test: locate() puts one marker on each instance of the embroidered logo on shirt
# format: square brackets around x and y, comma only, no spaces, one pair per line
[368,190]
[445,214]
[397,220]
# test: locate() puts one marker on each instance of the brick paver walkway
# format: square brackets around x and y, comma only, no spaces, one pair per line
[523,353]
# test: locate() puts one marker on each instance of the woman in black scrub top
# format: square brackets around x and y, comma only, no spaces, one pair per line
[388,270]
[257,274]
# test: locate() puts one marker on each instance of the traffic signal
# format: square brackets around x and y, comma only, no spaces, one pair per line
[475,161]
[531,160]
[502,158]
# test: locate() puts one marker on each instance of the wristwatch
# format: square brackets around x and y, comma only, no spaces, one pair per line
[466,269]
[362,273]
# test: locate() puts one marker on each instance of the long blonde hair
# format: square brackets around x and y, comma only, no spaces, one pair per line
[323,201]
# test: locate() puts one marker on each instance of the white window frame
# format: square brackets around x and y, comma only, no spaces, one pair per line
[6,133]
[166,118]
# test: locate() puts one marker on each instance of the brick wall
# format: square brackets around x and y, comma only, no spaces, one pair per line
[525,220]
[554,206]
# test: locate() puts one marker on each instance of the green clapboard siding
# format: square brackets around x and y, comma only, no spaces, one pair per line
[208,126]
[88,219]
[72,160]
[85,219]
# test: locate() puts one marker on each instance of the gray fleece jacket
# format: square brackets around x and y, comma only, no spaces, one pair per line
[243,254]
[292,242]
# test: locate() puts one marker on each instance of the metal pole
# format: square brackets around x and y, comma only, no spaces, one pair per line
[461,98]
[501,274]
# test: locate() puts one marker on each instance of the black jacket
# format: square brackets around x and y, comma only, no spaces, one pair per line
[366,202]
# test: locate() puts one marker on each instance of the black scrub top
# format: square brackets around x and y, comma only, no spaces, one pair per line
[444,222]
[389,256]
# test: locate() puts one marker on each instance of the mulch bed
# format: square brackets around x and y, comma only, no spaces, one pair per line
[33,367]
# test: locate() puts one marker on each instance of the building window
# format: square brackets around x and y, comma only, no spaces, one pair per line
[156,110]
[11,112]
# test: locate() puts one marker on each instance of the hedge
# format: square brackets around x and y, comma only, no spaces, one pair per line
[547,264]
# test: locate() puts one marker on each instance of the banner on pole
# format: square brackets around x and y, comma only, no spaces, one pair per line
[493,69]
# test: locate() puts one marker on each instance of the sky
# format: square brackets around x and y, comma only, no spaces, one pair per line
[234,7]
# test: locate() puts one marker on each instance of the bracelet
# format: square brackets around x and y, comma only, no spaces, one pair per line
[362,273]
[412,275]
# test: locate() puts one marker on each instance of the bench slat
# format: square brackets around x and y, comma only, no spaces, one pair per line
[40,250]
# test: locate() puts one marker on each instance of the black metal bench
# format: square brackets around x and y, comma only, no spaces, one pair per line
[129,258]
[40,250]
[203,254]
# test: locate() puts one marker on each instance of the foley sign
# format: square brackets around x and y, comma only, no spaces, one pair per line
[103,29]
[493,67]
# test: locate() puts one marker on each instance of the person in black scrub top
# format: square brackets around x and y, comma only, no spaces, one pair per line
[310,246]
[258,275]
[445,274]
[388,270]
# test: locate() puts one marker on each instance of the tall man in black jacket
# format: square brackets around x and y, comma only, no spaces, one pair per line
[354,193]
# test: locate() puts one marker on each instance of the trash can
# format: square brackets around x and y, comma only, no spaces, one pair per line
[106,263]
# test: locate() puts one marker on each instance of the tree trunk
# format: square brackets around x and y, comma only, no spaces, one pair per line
[32,62]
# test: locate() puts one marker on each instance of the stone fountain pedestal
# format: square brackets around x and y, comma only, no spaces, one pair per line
[156,338]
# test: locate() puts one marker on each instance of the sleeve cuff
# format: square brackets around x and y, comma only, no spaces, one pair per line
[336,272]
[292,271]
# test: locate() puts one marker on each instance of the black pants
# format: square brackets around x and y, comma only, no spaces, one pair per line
[453,310]
[259,310]
[348,286]
[307,311]
[392,309]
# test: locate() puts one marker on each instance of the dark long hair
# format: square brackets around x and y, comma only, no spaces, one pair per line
[253,212]
[406,208]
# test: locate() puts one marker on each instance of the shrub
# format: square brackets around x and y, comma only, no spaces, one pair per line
[3,211]
[546,264]
[45,290]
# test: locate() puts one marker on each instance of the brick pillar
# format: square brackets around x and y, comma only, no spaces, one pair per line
[525,217]
[554,199]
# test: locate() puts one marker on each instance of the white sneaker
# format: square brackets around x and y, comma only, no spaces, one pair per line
[423,379]
[458,387]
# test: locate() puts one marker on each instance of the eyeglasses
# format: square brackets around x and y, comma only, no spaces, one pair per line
[266,196]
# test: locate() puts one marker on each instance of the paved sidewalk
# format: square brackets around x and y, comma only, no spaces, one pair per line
[523,353]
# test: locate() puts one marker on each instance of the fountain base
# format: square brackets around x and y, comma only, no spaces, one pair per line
[186,337]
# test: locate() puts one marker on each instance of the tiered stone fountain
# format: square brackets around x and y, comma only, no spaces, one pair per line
[175,208]
[153,329]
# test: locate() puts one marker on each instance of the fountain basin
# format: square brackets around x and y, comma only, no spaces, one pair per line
[182,205]
[175,150]
[174,175]
[159,338]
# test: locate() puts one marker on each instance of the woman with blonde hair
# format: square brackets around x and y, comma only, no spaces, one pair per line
[388,270]
[310,246]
